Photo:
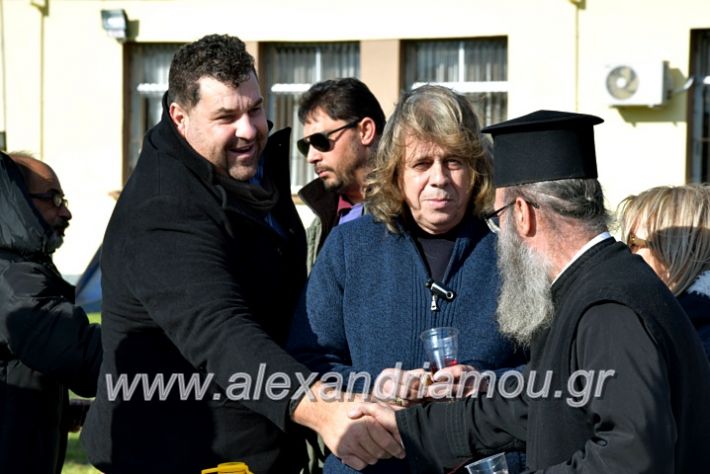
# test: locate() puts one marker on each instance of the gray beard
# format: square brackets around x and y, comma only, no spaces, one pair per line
[525,302]
[53,242]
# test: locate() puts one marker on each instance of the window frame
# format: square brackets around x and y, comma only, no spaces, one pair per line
[301,172]
[461,85]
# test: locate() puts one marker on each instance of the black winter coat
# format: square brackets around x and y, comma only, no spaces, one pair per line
[46,344]
[696,302]
[196,284]
[651,415]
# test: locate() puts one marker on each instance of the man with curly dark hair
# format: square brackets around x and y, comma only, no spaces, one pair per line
[203,261]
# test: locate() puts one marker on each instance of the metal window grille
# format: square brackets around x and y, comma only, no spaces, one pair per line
[290,69]
[476,68]
[699,107]
[148,66]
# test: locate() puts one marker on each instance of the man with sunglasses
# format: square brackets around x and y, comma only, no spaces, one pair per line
[47,345]
[617,379]
[342,123]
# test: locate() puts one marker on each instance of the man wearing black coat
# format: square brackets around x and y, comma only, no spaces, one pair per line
[47,345]
[617,380]
[203,260]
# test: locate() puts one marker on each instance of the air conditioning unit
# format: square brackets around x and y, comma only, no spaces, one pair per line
[637,83]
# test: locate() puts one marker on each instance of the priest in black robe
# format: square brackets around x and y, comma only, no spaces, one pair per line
[617,380]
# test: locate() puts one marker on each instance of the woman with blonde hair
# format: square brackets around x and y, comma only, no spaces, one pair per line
[669,227]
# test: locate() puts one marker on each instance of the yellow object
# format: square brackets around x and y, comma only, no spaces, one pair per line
[229,468]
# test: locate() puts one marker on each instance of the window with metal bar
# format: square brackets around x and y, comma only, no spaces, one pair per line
[290,69]
[148,66]
[699,108]
[476,68]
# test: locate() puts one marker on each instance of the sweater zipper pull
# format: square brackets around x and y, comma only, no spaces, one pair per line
[437,291]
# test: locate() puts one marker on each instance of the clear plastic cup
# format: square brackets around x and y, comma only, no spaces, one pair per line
[441,346]
[495,464]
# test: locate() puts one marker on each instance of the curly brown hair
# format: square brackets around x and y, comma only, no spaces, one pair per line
[221,57]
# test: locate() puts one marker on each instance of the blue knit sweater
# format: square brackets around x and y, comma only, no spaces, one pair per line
[367,302]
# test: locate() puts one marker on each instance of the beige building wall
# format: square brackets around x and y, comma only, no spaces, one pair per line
[638,147]
[64,76]
[381,70]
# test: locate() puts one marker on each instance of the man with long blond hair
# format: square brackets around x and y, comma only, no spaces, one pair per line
[422,258]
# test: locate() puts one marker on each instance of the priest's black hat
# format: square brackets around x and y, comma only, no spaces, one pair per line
[543,146]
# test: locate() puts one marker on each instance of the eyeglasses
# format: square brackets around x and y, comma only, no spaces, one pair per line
[493,218]
[636,243]
[56,197]
[320,140]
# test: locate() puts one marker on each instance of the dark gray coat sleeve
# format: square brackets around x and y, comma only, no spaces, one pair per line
[441,436]
[634,429]
[45,331]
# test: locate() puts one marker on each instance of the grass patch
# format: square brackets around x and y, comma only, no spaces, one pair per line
[75,462]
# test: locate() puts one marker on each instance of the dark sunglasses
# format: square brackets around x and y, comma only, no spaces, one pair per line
[56,197]
[321,141]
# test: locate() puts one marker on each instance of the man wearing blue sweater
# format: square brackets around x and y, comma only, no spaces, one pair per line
[421,258]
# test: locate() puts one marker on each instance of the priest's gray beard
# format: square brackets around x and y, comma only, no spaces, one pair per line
[525,302]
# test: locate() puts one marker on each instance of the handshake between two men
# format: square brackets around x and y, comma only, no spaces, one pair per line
[361,428]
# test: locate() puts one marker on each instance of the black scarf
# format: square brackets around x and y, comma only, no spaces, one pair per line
[261,198]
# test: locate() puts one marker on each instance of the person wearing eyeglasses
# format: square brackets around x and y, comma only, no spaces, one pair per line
[421,258]
[617,381]
[47,196]
[47,345]
[342,122]
[669,227]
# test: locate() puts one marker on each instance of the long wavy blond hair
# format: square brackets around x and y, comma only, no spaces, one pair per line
[430,114]
[677,222]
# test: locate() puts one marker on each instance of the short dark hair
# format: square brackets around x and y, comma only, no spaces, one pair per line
[342,99]
[221,57]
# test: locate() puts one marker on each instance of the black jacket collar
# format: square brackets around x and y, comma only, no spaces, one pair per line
[323,203]
[164,137]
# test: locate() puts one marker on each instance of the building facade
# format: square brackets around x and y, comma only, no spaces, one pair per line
[81,98]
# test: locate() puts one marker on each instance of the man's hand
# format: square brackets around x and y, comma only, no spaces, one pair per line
[357,442]
[402,387]
[455,382]
[382,413]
